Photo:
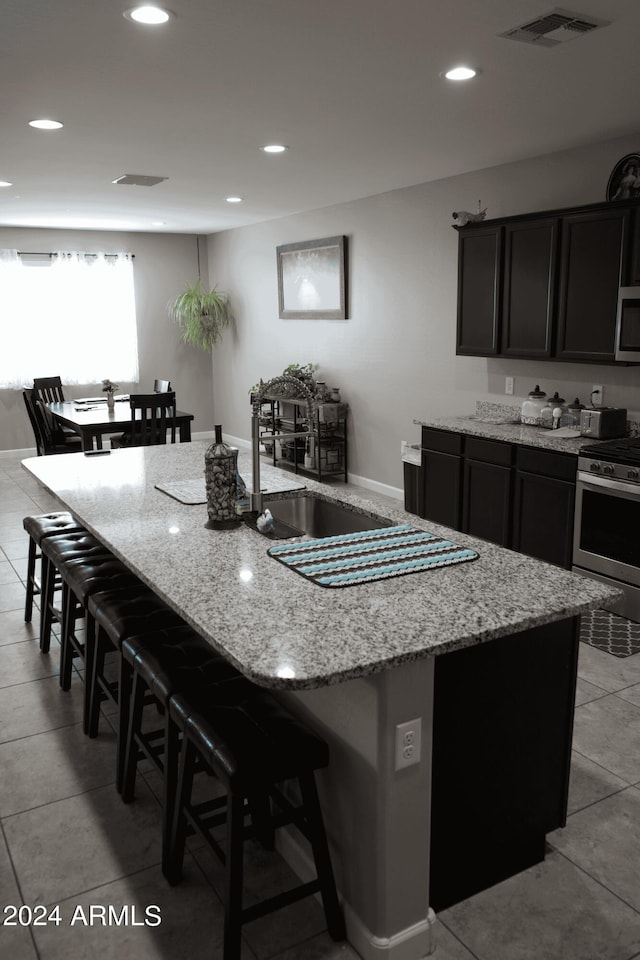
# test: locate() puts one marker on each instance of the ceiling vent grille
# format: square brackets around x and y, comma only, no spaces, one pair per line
[138,180]
[552,29]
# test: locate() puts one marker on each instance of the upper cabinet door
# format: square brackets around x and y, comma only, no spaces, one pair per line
[529,288]
[633,261]
[479,289]
[591,269]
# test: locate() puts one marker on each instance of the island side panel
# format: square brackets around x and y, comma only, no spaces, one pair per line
[377,817]
[503,726]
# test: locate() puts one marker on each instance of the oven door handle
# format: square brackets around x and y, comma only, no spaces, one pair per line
[588,481]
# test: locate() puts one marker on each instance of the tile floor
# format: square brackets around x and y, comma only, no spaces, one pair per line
[66,839]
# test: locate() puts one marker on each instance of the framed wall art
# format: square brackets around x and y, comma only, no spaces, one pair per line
[624,182]
[312,279]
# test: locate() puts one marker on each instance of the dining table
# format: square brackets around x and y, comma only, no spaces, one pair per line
[93,420]
[464,654]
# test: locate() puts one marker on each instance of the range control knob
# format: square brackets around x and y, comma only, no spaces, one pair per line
[594,467]
[632,474]
[608,469]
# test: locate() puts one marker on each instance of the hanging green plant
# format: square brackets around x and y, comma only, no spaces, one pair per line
[201,315]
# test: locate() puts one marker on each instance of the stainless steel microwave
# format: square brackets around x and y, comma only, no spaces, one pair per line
[628,325]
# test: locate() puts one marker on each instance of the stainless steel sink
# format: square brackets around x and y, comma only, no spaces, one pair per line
[320,518]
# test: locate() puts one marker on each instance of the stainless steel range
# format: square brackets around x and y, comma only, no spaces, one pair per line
[606,543]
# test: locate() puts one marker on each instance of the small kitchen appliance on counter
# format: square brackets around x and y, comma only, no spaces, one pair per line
[607,518]
[603,423]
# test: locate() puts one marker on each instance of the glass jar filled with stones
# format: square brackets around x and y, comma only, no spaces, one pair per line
[220,471]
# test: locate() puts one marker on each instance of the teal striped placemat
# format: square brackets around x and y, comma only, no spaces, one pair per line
[353,558]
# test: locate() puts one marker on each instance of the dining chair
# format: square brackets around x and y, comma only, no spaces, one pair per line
[153,417]
[48,439]
[161,386]
[48,389]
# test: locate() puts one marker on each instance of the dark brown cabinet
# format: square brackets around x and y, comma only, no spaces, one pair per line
[486,498]
[544,499]
[546,285]
[591,270]
[441,476]
[413,488]
[530,254]
[516,496]
[479,264]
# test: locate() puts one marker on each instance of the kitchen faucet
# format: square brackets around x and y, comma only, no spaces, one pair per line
[258,395]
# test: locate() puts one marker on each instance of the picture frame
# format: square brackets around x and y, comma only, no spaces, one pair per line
[624,182]
[312,279]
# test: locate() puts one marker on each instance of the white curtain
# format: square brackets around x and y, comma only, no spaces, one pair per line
[68,314]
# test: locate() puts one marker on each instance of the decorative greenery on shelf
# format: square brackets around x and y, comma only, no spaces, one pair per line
[304,373]
[201,315]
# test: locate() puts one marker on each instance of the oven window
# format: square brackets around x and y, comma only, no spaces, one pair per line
[609,527]
[630,325]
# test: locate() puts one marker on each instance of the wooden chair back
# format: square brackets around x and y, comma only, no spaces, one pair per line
[153,417]
[49,439]
[35,421]
[48,389]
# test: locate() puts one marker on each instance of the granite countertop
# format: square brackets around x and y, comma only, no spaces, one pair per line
[497,421]
[508,432]
[281,630]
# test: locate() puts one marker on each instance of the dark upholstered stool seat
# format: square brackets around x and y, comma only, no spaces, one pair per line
[251,743]
[81,578]
[118,615]
[56,551]
[153,667]
[39,527]
[245,735]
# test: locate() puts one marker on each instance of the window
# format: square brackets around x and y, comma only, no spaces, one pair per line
[67,314]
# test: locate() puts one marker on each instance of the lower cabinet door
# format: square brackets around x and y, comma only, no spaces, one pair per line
[412,488]
[543,518]
[441,486]
[486,503]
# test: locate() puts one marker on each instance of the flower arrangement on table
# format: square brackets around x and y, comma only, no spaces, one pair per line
[109,388]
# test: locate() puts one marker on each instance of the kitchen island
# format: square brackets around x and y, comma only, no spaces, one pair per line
[482,653]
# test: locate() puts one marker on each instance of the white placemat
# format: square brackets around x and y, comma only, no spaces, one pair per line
[194,491]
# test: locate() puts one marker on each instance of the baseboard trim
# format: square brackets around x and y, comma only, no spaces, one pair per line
[416,942]
[23,454]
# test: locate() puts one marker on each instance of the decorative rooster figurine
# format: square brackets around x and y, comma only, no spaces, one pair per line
[464,217]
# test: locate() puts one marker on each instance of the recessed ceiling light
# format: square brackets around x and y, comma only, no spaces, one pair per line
[5,183]
[45,124]
[274,148]
[460,73]
[148,14]
[234,199]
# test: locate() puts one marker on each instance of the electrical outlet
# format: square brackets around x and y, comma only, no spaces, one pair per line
[508,386]
[408,743]
[597,395]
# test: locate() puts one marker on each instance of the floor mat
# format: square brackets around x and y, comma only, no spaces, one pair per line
[611,633]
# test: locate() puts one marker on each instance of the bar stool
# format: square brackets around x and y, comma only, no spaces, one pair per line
[153,668]
[39,527]
[116,616]
[251,744]
[81,578]
[57,550]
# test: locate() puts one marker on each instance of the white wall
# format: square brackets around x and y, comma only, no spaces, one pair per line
[394,358]
[163,264]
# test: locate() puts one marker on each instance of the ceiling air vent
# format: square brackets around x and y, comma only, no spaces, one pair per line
[552,29]
[138,180]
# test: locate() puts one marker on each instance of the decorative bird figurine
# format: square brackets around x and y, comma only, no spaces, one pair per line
[464,217]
